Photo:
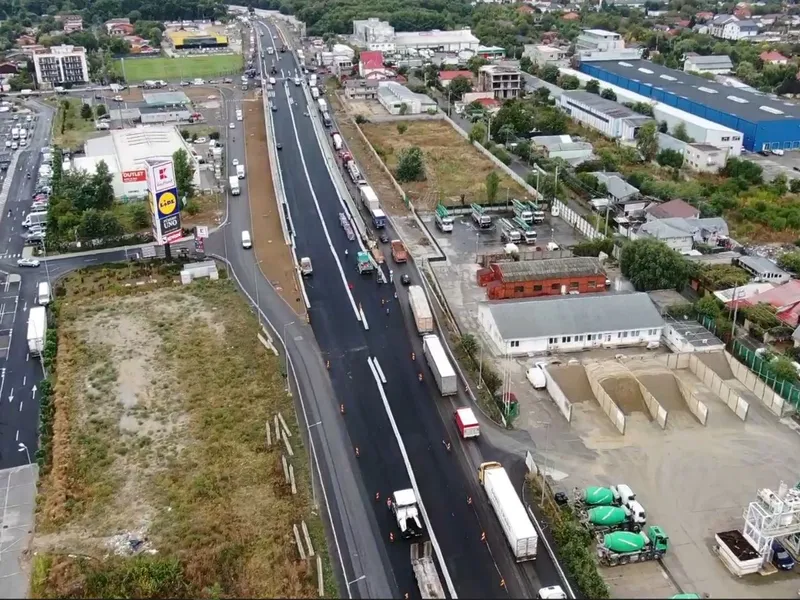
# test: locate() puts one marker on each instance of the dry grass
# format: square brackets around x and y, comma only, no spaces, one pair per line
[162,394]
[453,166]
[76,130]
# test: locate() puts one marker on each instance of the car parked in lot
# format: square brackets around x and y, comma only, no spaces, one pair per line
[781,558]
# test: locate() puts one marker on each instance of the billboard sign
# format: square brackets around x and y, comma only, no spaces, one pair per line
[134,176]
[161,176]
[167,203]
[164,204]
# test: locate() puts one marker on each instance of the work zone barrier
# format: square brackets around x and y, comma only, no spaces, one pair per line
[716,384]
[558,396]
[609,407]
[696,406]
[778,395]
[573,219]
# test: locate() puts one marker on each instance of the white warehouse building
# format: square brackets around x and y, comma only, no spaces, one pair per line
[570,323]
[394,96]
[699,129]
[125,152]
[437,40]
[608,117]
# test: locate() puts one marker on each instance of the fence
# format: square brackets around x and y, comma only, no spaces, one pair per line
[759,368]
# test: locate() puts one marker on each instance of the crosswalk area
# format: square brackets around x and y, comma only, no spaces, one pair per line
[11,255]
[9,306]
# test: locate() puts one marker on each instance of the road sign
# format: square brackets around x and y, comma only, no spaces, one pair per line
[201,232]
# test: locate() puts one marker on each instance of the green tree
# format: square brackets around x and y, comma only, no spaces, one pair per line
[747,171]
[101,187]
[569,82]
[790,261]
[794,186]
[652,265]
[475,63]
[411,165]
[608,94]
[709,306]
[670,158]
[404,109]
[525,64]
[679,133]
[550,74]
[646,140]
[492,184]
[100,110]
[550,121]
[86,112]
[184,173]
[478,133]
[402,128]
[91,225]
[140,215]
[783,368]
[593,86]
[458,87]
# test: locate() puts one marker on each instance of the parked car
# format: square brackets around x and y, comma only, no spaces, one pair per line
[781,558]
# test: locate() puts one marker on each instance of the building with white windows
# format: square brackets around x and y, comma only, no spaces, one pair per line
[61,65]
[439,41]
[394,96]
[374,34]
[716,64]
[606,116]
[729,27]
[570,323]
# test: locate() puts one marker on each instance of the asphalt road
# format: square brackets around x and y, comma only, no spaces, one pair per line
[19,407]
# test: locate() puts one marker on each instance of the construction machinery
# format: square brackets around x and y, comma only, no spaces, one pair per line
[430,586]
[443,219]
[615,495]
[527,233]
[509,233]
[522,211]
[363,263]
[482,219]
[623,547]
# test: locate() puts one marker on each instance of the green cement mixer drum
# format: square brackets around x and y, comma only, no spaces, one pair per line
[598,496]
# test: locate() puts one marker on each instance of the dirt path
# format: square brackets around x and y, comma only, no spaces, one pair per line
[573,382]
[274,256]
[371,168]
[625,392]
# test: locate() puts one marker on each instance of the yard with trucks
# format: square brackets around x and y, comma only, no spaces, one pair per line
[157,477]
[452,165]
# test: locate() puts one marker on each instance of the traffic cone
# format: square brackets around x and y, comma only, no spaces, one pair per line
[377,496]
[469,500]
[391,536]
[341,408]
[483,536]
[502,583]
[357,452]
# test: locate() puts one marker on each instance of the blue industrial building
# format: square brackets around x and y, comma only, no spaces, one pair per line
[765,121]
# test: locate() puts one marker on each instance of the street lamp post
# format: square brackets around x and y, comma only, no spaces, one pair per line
[23,448]
[286,352]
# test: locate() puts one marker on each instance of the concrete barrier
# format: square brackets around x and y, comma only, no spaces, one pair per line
[657,412]
[696,406]
[609,407]
[558,396]
[711,380]
[771,399]
[573,219]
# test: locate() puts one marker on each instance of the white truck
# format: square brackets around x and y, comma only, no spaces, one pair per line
[323,106]
[514,520]
[430,586]
[37,329]
[442,369]
[240,171]
[369,198]
[406,513]
[312,80]
[233,181]
[421,310]
[15,133]
[337,141]
[314,93]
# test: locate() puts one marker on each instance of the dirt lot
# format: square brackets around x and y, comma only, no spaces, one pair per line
[161,485]
[274,256]
[370,167]
[453,167]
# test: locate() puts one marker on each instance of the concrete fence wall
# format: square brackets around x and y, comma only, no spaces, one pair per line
[558,396]
[696,406]
[657,412]
[609,407]
[573,219]
[761,390]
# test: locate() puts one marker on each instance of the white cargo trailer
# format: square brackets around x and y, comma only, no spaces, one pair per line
[514,519]
[442,369]
[37,330]
[420,308]
[233,181]
[369,198]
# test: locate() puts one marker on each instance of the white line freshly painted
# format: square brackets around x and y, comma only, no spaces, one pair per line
[451,588]
[380,371]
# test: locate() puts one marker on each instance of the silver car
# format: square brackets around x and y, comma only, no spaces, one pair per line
[27,262]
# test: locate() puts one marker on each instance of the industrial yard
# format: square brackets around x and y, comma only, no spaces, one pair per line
[693,480]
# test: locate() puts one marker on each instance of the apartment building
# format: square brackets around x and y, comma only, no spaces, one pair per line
[504,82]
[61,65]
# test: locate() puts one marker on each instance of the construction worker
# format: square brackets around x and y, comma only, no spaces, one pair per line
[387,311]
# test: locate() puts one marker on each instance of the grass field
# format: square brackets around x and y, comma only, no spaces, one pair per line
[185,67]
[70,130]
[161,396]
[452,166]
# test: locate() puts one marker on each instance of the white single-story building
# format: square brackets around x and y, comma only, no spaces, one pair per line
[570,323]
[606,116]
[394,96]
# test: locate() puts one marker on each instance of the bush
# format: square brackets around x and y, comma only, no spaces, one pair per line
[361,119]
[192,207]
[402,128]
[503,156]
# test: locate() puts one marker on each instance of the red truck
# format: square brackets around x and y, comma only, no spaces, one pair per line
[468,425]
[399,253]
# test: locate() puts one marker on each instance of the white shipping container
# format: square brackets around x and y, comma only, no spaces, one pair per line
[369,198]
[442,369]
[513,517]
[421,310]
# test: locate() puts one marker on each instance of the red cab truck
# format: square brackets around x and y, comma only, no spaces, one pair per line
[467,424]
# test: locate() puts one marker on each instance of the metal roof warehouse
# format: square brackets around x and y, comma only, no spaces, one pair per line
[766,122]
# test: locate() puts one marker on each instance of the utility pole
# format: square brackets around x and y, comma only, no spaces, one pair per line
[555,184]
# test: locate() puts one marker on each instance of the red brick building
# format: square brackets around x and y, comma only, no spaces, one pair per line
[549,277]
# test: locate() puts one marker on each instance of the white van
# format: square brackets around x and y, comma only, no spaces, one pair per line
[536,376]
[43,294]
[272,81]
[246,241]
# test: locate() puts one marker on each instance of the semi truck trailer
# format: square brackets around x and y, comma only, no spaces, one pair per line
[514,519]
[442,369]
[37,330]
[423,318]
[233,181]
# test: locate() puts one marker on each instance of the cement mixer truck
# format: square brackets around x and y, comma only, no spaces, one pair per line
[615,495]
[623,547]
[605,519]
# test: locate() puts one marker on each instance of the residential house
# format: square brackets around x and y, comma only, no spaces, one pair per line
[139,45]
[716,64]
[570,16]
[26,40]
[8,68]
[672,209]
[370,61]
[119,27]
[445,77]
[549,277]
[763,269]
[773,58]
[742,292]
[705,158]
[742,12]
[701,28]
[62,64]
[619,190]
[71,23]
[784,298]
[361,89]
[681,234]
[570,323]
[542,55]
[730,27]
[703,16]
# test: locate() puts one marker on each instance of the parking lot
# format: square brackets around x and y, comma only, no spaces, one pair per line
[774,165]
